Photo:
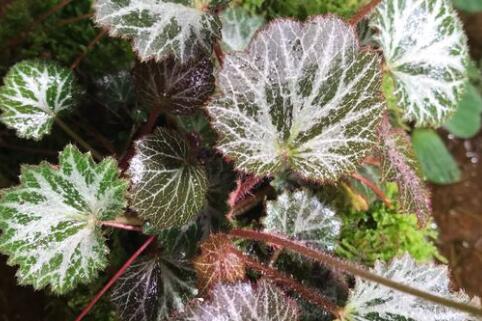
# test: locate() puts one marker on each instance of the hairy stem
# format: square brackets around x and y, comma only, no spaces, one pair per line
[77,138]
[218,51]
[248,203]
[90,46]
[351,268]
[116,276]
[363,12]
[121,226]
[308,294]
[365,181]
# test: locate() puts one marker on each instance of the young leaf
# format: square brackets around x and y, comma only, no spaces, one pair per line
[115,90]
[50,222]
[369,300]
[160,28]
[302,216]
[302,97]
[178,88]
[168,185]
[155,287]
[244,301]
[33,94]
[399,164]
[426,53]
[239,27]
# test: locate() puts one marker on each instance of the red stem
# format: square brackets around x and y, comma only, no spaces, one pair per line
[121,226]
[365,181]
[218,51]
[351,268]
[90,46]
[363,12]
[116,276]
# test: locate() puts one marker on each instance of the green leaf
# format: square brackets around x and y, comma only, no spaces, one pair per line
[168,185]
[468,5]
[465,123]
[155,287]
[239,26]
[300,215]
[436,162]
[303,96]
[33,94]
[243,301]
[116,90]
[426,54]
[371,301]
[175,87]
[50,221]
[399,164]
[160,28]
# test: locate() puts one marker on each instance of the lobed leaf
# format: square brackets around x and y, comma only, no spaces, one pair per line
[239,26]
[33,94]
[244,301]
[426,53]
[399,164]
[175,87]
[160,28]
[300,215]
[369,301]
[50,221]
[168,185]
[303,96]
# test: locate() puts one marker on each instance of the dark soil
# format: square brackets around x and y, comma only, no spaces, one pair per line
[458,213]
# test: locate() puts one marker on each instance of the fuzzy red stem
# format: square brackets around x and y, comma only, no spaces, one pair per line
[363,12]
[309,294]
[122,226]
[218,51]
[116,276]
[365,181]
[351,268]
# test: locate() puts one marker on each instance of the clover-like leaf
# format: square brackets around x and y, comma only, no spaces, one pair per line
[239,26]
[244,301]
[175,87]
[399,164]
[426,54]
[33,94]
[160,28]
[303,96]
[168,185]
[155,287]
[50,221]
[369,301]
[300,215]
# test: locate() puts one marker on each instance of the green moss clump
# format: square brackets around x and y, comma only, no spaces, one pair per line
[383,233]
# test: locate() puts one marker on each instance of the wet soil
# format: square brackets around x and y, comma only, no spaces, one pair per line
[458,213]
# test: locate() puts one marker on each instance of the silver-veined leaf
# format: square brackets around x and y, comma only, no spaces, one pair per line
[33,94]
[303,96]
[50,221]
[426,53]
[175,87]
[244,301]
[239,26]
[168,185]
[155,287]
[399,164]
[115,90]
[300,215]
[159,28]
[369,301]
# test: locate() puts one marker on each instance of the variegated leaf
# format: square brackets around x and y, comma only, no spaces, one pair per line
[300,215]
[50,222]
[399,163]
[33,94]
[244,301]
[369,301]
[303,96]
[175,87]
[426,54]
[239,26]
[155,287]
[168,185]
[160,28]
